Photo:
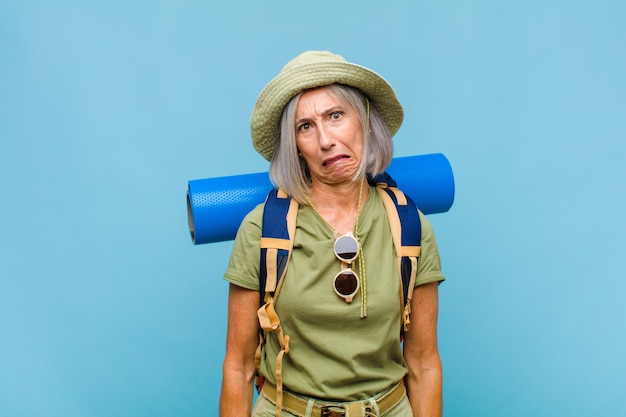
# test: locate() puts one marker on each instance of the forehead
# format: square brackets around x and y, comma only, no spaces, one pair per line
[319,99]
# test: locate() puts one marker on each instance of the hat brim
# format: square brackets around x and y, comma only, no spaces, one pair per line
[265,120]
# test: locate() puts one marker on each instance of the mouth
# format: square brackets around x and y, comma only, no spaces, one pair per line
[334,159]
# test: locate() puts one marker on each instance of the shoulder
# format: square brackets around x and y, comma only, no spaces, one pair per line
[251,225]
[427,228]
[429,269]
[243,266]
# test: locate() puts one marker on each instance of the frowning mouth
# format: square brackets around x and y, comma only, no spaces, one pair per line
[334,159]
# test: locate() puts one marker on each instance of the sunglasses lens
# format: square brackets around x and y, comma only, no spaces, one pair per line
[347,248]
[346,283]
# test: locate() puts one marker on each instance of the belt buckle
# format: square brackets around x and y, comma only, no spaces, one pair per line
[333,411]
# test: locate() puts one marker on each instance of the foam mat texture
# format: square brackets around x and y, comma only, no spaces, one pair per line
[216,206]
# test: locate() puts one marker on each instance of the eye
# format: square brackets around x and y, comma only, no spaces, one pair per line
[304,127]
[336,115]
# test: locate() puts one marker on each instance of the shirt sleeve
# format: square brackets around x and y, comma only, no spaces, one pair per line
[429,264]
[243,266]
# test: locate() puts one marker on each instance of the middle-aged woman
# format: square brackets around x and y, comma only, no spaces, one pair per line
[326,125]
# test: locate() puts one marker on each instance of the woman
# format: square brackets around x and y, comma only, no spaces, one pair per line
[325,125]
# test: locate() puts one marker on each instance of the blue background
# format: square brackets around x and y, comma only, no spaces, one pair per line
[108,108]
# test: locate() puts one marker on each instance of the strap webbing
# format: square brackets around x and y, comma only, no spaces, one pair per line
[278,230]
[406,232]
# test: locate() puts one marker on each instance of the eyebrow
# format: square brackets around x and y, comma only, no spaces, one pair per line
[325,112]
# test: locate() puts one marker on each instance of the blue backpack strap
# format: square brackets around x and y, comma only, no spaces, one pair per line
[278,229]
[406,229]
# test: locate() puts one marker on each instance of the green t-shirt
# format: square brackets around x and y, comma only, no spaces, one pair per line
[334,353]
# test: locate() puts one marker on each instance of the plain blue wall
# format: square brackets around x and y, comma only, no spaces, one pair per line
[107,108]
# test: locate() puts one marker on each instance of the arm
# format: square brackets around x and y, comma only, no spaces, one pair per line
[242,340]
[424,380]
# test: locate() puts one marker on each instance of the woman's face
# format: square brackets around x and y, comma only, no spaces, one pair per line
[329,137]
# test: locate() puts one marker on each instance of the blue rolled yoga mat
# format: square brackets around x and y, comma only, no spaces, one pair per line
[216,206]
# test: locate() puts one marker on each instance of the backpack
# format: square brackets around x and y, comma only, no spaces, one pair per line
[278,230]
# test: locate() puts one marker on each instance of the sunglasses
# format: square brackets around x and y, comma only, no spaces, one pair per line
[346,282]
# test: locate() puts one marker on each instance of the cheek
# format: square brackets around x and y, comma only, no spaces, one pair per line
[358,141]
[306,151]
[356,135]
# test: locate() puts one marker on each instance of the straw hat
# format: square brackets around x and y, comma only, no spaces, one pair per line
[315,69]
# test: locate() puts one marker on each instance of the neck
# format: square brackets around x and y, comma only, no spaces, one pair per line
[340,205]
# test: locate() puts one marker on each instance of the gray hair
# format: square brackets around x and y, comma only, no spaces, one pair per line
[290,172]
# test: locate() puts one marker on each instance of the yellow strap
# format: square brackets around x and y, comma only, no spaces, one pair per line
[400,197]
[292,215]
[257,358]
[271,272]
[275,243]
[279,376]
[407,308]
[413,251]
[268,319]
[394,219]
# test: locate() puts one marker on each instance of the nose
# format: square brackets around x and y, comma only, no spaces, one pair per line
[326,139]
